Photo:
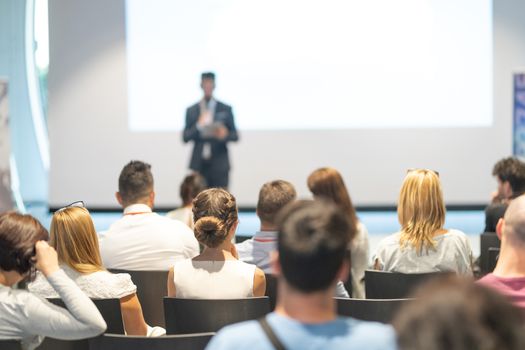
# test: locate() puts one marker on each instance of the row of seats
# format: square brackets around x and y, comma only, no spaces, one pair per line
[201,317]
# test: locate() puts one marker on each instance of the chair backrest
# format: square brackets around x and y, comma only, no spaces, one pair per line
[394,285]
[493,256]
[151,288]
[110,311]
[487,240]
[271,290]
[169,342]
[10,344]
[204,315]
[378,310]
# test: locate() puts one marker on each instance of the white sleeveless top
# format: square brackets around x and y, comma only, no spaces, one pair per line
[229,279]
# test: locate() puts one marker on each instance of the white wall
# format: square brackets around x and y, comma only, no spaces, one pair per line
[90,140]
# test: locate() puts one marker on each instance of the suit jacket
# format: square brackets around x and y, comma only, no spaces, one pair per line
[219,160]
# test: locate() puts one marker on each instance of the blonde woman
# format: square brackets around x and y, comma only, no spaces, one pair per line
[216,273]
[423,245]
[74,237]
[328,183]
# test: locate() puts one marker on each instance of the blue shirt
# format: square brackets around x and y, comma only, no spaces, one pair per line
[342,333]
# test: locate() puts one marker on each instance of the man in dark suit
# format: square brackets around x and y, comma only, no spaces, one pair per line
[210,125]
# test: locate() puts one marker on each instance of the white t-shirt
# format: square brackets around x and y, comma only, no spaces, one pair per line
[97,285]
[452,253]
[143,240]
[228,279]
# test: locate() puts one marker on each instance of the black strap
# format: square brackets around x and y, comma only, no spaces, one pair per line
[270,334]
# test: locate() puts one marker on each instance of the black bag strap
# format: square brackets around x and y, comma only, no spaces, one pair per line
[270,334]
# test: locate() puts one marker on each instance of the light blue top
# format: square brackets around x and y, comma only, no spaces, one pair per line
[342,333]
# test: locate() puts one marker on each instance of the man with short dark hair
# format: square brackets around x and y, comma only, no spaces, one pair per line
[312,256]
[510,175]
[210,125]
[273,196]
[142,239]
[509,275]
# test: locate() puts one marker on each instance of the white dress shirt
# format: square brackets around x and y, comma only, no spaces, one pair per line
[143,240]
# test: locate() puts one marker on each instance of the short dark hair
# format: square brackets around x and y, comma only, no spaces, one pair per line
[208,76]
[511,169]
[214,214]
[135,181]
[191,186]
[18,236]
[313,242]
[455,313]
[274,196]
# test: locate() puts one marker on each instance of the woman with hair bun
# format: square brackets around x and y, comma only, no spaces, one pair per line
[216,273]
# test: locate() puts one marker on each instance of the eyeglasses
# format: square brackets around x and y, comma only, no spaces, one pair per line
[409,170]
[77,204]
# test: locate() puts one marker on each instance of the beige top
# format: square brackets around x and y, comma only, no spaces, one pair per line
[229,279]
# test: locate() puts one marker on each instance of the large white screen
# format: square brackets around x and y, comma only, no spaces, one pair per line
[296,64]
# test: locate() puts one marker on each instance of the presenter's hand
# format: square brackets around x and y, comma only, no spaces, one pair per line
[204,118]
[221,133]
[46,258]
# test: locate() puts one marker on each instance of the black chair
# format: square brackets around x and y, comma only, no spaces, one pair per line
[169,342]
[110,311]
[379,310]
[151,288]
[395,285]
[493,256]
[487,240]
[185,316]
[271,290]
[10,344]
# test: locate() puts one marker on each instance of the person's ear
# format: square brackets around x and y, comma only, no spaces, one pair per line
[275,265]
[152,198]
[500,226]
[119,198]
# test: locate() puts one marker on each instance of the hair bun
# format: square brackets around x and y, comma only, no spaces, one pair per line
[210,231]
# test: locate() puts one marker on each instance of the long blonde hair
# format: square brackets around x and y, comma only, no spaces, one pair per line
[74,237]
[421,209]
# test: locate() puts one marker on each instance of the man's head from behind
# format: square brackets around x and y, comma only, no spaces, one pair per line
[510,173]
[273,196]
[511,229]
[135,184]
[313,245]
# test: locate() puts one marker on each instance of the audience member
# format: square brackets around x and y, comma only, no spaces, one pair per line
[456,314]
[28,317]
[216,273]
[328,183]
[273,196]
[510,175]
[509,275]
[312,256]
[75,240]
[142,239]
[191,186]
[423,245]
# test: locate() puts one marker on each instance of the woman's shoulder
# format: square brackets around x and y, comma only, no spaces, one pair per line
[41,287]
